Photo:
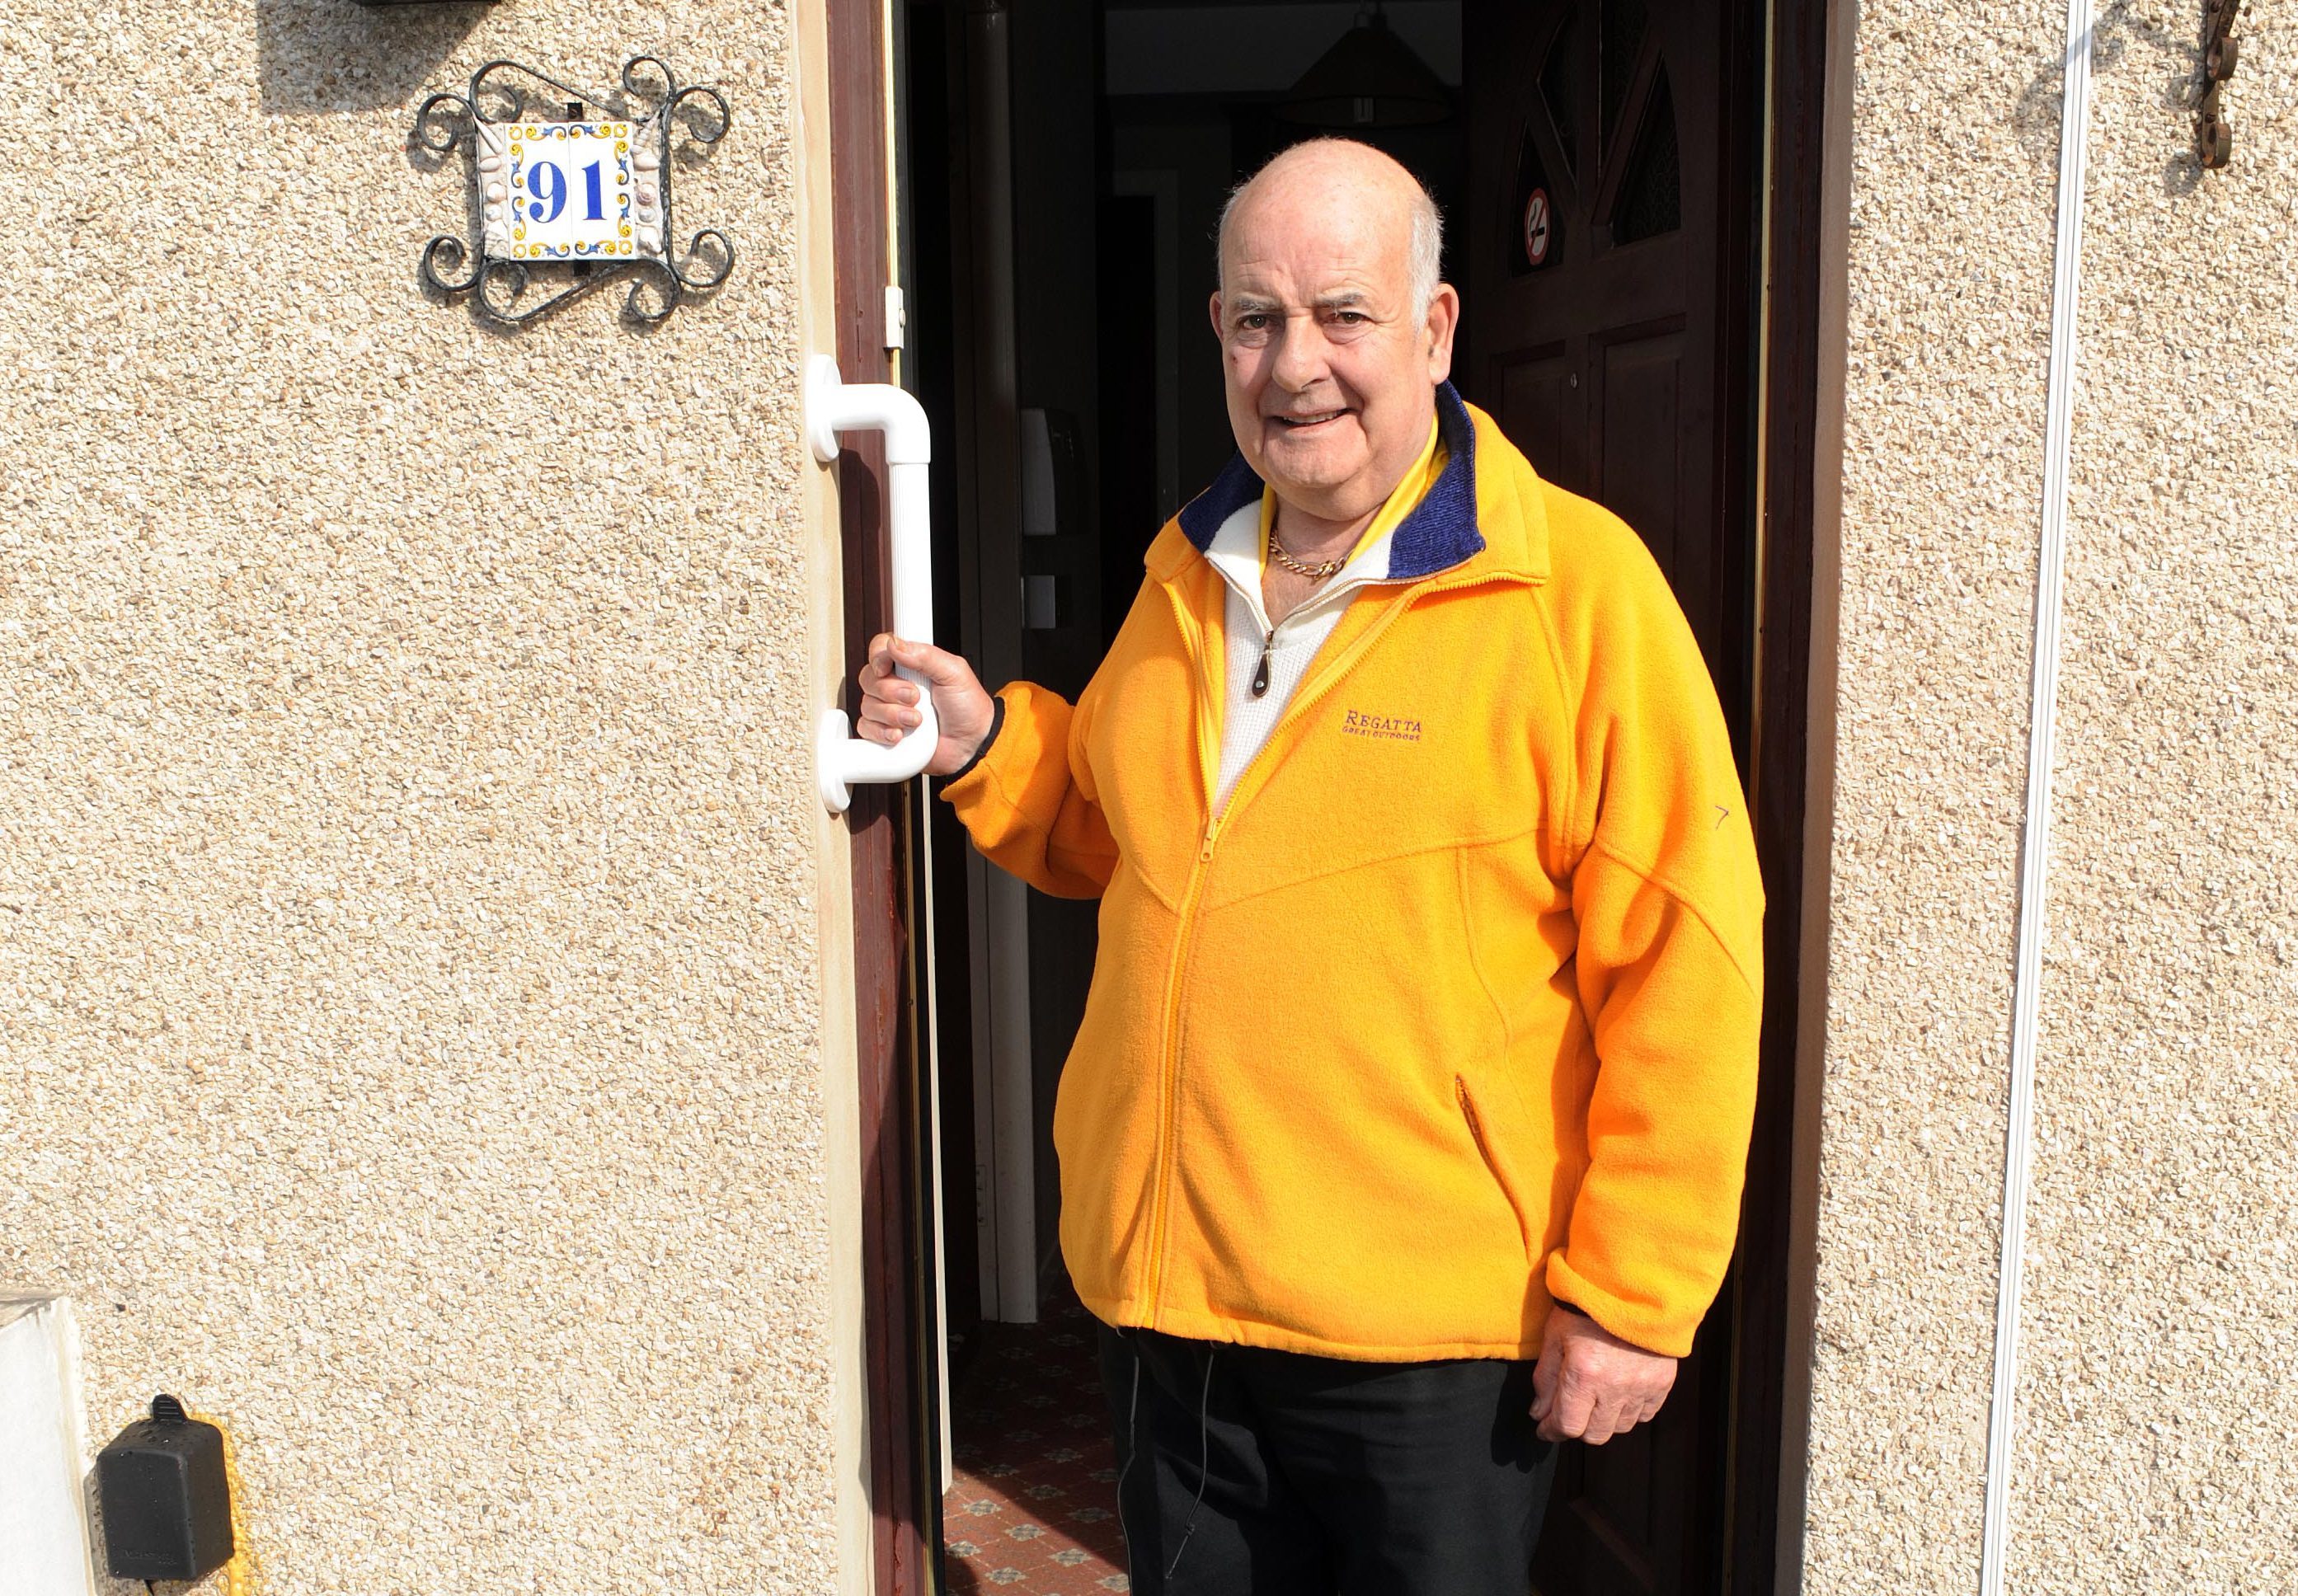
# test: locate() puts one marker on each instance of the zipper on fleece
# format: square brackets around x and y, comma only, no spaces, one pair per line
[1168,1063]
[1260,672]
[1208,716]
[1168,1072]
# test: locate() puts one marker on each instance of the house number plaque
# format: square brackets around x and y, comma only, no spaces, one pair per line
[571,183]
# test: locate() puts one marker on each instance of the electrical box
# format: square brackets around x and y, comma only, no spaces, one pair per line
[166,1497]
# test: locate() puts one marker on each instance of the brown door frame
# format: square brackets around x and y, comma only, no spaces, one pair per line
[882,827]
[1793,435]
[883,820]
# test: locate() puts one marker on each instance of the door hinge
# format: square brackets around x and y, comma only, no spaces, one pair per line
[896,317]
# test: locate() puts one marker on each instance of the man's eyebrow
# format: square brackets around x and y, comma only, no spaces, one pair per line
[1261,304]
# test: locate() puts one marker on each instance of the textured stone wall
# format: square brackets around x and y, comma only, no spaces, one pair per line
[2158,1424]
[2154,1428]
[409,1016]
[1947,343]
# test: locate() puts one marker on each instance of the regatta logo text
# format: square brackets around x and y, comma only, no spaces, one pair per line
[1396,728]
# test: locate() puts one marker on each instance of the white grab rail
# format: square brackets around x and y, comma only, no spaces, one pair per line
[832,406]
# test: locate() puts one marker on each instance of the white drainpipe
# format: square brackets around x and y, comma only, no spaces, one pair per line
[2074,124]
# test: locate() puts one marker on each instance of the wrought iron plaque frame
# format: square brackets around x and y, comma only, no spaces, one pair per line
[494,122]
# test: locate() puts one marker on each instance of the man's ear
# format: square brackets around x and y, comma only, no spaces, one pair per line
[1213,309]
[1443,322]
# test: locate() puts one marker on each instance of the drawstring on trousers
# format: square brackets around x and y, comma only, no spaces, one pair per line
[1204,1461]
[1132,1451]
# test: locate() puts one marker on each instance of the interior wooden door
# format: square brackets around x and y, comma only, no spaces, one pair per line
[1610,326]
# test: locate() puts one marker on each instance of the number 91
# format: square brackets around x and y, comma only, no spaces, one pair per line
[547,187]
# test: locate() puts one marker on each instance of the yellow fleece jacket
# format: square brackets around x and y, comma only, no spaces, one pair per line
[1452,1009]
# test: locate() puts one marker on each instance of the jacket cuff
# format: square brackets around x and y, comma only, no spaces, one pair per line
[1643,1325]
[1576,1307]
[981,750]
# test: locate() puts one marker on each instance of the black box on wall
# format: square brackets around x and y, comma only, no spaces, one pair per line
[166,1497]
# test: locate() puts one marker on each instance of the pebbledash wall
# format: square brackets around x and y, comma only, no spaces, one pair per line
[413,1006]
[2154,1435]
[421,1008]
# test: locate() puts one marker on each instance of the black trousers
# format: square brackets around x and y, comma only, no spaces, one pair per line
[1245,1472]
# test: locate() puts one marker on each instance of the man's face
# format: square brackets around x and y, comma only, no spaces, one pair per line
[1330,369]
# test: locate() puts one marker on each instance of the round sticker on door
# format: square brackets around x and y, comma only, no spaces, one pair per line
[1539,228]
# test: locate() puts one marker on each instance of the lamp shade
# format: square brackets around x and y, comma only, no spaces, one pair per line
[1369,79]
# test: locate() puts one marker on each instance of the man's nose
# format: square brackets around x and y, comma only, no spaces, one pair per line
[1300,354]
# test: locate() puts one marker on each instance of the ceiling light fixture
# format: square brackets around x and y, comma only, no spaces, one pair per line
[1371,78]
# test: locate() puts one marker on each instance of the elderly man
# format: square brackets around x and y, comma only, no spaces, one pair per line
[1403,1135]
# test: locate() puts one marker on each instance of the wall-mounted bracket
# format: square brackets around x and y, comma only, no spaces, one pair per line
[2221,50]
[581,181]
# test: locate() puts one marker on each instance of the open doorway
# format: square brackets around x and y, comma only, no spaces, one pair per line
[1600,164]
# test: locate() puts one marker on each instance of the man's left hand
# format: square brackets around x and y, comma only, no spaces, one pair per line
[1590,1386]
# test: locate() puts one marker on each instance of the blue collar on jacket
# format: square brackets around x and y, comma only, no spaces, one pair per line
[1439,533]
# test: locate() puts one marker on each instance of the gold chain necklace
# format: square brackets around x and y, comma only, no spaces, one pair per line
[1315,570]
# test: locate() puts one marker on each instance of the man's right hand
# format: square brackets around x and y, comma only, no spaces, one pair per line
[963,708]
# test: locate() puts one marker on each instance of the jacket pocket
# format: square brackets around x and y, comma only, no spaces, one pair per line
[1492,1163]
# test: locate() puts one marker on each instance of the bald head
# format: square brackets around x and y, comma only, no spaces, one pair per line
[1308,179]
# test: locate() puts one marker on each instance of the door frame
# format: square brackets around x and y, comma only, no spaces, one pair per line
[1798,434]
[899,1397]
[1800,415]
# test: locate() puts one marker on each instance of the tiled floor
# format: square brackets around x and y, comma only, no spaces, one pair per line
[1033,1508]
